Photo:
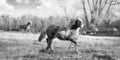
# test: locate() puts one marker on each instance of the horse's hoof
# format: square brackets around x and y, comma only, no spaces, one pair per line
[50,50]
[70,47]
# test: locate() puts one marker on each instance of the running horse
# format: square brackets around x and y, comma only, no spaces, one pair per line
[25,27]
[62,33]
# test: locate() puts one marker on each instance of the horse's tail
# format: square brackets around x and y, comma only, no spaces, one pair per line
[42,35]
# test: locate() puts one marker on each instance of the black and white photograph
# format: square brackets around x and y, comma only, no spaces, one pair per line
[59,29]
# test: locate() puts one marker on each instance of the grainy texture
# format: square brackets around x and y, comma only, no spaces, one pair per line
[24,46]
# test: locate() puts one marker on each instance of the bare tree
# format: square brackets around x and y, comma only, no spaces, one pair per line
[63,5]
[96,10]
[69,12]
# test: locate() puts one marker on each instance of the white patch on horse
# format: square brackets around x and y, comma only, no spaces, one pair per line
[28,27]
[75,33]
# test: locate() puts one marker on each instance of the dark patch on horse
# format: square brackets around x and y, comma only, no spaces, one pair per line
[76,24]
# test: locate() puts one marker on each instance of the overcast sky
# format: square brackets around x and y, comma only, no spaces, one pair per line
[42,8]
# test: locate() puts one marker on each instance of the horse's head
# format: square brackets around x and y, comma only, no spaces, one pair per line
[29,23]
[77,24]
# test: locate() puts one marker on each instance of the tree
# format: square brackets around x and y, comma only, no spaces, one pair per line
[69,10]
[96,10]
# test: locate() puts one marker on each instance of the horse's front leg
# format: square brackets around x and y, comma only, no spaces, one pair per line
[76,47]
[71,43]
[49,42]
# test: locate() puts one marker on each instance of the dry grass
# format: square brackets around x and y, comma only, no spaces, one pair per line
[23,46]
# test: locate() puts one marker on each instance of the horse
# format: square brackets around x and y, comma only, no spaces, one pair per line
[62,33]
[25,27]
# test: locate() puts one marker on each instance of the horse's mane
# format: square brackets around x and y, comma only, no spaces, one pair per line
[29,23]
[74,24]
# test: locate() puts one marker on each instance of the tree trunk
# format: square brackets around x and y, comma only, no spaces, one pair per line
[85,12]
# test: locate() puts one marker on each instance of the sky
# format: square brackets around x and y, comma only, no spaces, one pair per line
[41,8]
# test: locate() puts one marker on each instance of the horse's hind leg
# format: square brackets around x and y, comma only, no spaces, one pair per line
[49,42]
[71,45]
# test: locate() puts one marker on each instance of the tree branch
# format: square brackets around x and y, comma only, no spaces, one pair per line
[108,8]
[104,5]
[89,5]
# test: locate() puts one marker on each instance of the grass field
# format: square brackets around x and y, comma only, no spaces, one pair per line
[24,46]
